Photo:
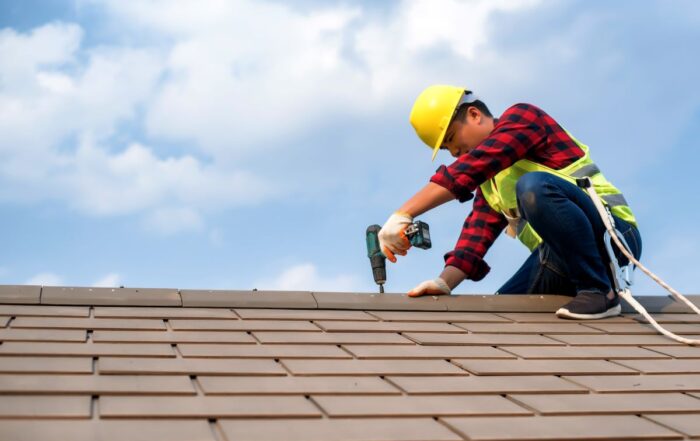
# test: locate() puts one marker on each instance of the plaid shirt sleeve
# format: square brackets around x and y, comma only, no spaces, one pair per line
[480,230]
[517,131]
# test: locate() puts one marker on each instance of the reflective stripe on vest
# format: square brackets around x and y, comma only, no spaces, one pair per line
[588,170]
[614,200]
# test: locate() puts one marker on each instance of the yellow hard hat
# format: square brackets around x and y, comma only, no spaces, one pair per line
[433,111]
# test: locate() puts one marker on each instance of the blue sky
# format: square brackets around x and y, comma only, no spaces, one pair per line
[238,144]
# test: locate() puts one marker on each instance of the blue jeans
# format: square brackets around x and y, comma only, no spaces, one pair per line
[572,257]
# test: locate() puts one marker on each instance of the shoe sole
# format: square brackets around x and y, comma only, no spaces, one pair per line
[565,313]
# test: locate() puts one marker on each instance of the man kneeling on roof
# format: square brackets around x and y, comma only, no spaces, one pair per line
[522,167]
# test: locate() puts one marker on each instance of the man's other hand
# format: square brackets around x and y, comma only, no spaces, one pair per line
[431,287]
[392,236]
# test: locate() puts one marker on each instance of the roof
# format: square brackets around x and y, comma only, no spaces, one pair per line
[168,364]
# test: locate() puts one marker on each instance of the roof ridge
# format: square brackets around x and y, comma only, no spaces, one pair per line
[173,297]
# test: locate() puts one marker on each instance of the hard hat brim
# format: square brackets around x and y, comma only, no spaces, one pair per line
[467,98]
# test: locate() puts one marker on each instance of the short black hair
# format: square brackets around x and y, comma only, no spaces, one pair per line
[462,110]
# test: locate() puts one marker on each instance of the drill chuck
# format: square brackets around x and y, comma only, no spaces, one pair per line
[378,269]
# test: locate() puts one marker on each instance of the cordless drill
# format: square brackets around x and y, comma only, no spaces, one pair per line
[418,233]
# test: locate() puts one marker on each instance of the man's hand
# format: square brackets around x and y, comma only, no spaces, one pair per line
[431,287]
[392,236]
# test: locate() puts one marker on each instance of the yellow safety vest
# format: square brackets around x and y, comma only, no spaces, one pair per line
[499,192]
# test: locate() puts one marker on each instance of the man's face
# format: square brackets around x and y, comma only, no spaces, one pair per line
[463,136]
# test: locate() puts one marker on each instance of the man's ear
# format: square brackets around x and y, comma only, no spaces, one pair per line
[474,115]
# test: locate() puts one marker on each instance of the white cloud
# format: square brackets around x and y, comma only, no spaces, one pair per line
[111,280]
[59,119]
[23,54]
[45,279]
[306,277]
[136,180]
[256,65]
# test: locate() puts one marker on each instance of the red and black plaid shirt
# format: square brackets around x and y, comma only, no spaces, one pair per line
[523,131]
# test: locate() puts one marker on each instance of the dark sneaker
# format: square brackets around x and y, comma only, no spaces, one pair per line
[590,305]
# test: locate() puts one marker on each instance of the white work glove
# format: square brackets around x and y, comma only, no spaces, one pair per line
[433,287]
[392,236]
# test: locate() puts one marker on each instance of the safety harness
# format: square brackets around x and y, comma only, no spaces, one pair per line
[622,277]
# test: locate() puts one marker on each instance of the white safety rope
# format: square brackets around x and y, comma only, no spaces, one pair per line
[626,293]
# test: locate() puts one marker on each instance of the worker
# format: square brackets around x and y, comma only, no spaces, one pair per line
[521,171]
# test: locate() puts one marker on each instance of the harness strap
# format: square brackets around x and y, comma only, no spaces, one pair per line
[626,293]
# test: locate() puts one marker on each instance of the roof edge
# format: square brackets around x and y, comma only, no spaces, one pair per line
[135,297]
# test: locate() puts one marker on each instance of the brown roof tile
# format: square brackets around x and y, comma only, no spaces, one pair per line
[110,296]
[542,367]
[163,312]
[45,311]
[663,366]
[337,338]
[372,367]
[354,429]
[91,349]
[348,326]
[548,317]
[106,430]
[425,338]
[608,404]
[20,294]
[40,406]
[554,428]
[617,340]
[437,316]
[172,337]
[687,424]
[191,366]
[41,365]
[638,383]
[252,385]
[260,351]
[678,351]
[394,302]
[42,335]
[528,328]
[485,385]
[206,407]
[419,351]
[670,318]
[585,352]
[87,323]
[242,325]
[643,328]
[304,314]
[402,406]
[248,299]
[97,384]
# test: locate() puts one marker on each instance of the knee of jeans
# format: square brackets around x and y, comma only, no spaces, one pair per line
[528,190]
